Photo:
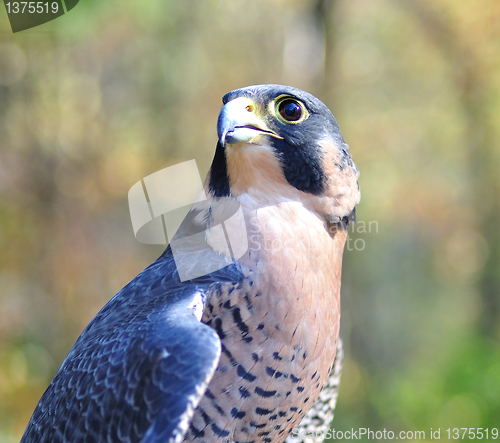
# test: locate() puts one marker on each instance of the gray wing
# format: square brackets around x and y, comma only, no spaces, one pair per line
[316,423]
[139,369]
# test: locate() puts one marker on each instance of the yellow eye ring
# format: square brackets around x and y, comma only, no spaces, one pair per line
[290,111]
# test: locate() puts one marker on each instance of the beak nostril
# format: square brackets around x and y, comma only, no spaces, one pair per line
[238,123]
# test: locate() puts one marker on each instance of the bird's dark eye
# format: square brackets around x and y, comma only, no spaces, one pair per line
[290,110]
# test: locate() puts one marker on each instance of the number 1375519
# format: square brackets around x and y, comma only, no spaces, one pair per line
[471,433]
[32,7]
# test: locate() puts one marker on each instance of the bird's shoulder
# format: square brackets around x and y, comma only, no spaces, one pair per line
[140,367]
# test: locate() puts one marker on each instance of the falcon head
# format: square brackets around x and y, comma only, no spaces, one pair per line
[279,143]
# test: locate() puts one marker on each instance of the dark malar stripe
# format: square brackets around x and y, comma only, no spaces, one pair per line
[219,180]
[302,162]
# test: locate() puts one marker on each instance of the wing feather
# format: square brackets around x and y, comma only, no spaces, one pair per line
[139,369]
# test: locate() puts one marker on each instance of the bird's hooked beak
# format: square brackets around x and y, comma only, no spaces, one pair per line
[239,123]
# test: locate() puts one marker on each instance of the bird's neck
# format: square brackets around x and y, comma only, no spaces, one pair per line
[295,260]
[255,171]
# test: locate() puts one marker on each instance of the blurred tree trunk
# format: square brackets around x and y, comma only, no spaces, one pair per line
[309,50]
[472,82]
[325,13]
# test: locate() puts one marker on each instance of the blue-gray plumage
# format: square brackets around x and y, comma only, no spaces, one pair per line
[139,366]
[239,354]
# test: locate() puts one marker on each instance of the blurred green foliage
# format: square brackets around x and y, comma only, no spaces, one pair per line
[113,91]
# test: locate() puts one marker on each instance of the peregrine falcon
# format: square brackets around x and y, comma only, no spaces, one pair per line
[240,354]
